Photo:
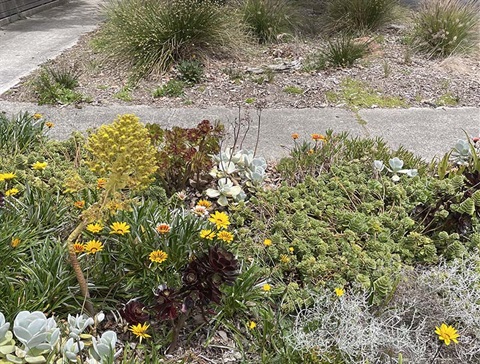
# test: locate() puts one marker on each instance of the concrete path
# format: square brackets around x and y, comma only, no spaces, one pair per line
[27,43]
[427,132]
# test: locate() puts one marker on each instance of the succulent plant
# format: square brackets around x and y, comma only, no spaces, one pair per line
[167,303]
[71,349]
[35,331]
[123,153]
[462,152]
[103,347]
[204,275]
[225,190]
[77,324]
[396,165]
[134,312]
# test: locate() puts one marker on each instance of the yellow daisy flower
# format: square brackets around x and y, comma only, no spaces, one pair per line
[11,192]
[267,242]
[120,228]
[339,291]
[226,236]
[93,246]
[140,330]
[266,287]
[158,256]
[220,219]
[252,325]
[39,166]
[447,333]
[207,234]
[95,227]
[7,176]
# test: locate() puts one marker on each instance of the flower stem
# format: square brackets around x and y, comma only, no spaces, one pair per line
[82,282]
[436,354]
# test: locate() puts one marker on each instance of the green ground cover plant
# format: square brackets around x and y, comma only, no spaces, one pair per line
[120,253]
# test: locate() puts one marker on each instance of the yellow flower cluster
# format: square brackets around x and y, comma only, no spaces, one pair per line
[7,176]
[122,151]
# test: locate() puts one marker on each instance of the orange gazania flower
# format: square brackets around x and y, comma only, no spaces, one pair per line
[79,204]
[204,203]
[49,124]
[101,183]
[15,242]
[295,136]
[163,228]
[318,137]
[78,248]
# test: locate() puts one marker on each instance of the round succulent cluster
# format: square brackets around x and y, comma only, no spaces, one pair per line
[123,153]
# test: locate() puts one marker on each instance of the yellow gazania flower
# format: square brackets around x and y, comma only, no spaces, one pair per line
[78,248]
[447,333]
[93,246]
[310,151]
[163,228]
[285,259]
[266,287]
[140,330]
[120,228]
[39,166]
[7,176]
[252,325]
[291,249]
[11,192]
[158,256]
[267,242]
[37,116]
[295,136]
[204,203]
[207,234]
[226,236]
[79,204]
[339,291]
[95,227]
[220,219]
[15,242]
[49,124]
[101,183]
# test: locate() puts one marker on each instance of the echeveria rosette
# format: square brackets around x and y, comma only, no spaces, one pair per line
[225,189]
[4,326]
[35,331]
[396,165]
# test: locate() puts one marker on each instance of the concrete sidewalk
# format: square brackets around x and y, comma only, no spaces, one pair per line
[27,43]
[426,132]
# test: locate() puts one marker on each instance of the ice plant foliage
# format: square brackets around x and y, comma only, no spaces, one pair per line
[447,334]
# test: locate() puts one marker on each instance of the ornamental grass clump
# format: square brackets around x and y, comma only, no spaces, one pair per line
[359,15]
[267,19]
[152,35]
[445,27]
